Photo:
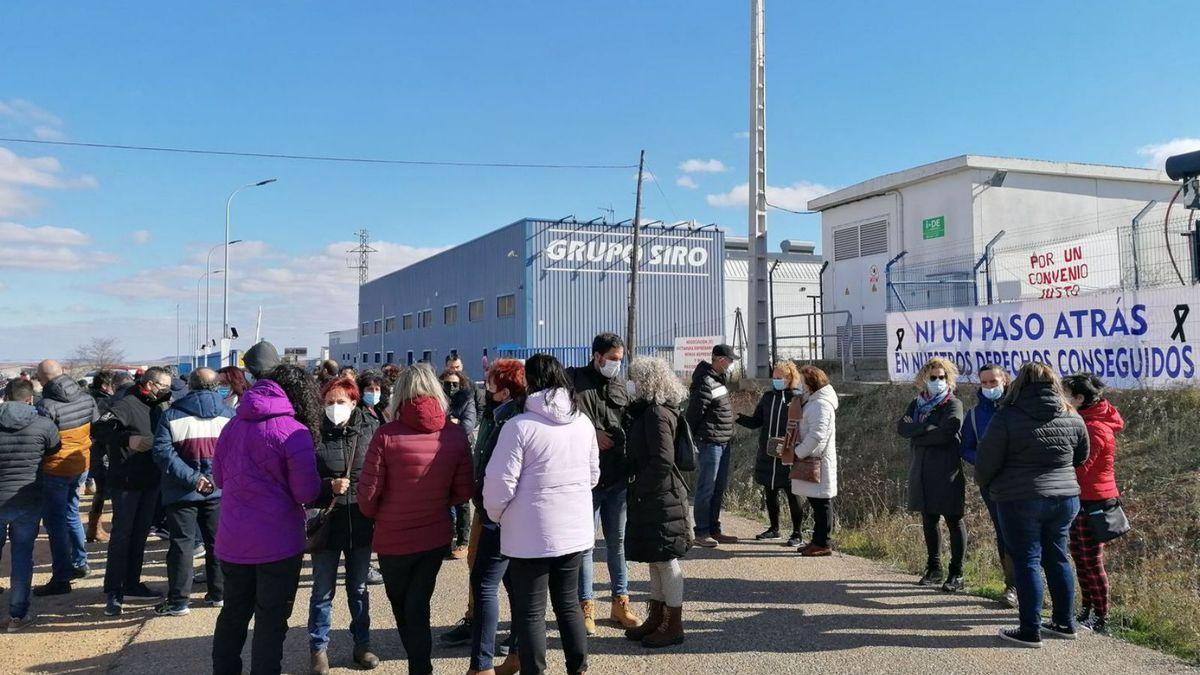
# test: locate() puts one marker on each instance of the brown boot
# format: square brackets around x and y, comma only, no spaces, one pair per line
[622,613]
[653,621]
[670,632]
[94,531]
[511,665]
[319,663]
[589,616]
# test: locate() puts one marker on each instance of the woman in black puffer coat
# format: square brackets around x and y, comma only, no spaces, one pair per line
[657,529]
[346,431]
[770,418]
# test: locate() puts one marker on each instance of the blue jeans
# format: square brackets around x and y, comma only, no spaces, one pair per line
[1035,535]
[489,570]
[710,487]
[320,605]
[609,506]
[21,524]
[60,513]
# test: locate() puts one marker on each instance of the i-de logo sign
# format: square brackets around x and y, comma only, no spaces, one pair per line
[582,251]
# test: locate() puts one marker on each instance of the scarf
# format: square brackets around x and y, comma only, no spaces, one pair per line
[926,405]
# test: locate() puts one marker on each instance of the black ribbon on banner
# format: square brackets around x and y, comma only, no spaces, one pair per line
[1181,315]
[899,339]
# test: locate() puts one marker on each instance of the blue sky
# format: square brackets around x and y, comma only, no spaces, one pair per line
[854,90]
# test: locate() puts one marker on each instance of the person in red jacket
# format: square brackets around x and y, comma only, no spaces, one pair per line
[417,466]
[1097,488]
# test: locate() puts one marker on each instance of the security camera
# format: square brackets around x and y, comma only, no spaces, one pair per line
[1185,166]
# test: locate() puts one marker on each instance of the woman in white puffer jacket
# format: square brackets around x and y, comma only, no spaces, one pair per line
[818,438]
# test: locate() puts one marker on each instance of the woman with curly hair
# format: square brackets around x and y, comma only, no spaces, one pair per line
[265,466]
[937,488]
[657,531]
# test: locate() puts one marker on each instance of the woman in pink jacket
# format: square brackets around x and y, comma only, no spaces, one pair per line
[538,487]
[265,465]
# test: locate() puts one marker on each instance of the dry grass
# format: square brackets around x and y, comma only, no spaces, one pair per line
[1155,570]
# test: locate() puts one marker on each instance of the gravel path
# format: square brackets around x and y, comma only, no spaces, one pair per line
[751,608]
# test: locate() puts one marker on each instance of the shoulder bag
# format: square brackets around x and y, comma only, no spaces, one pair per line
[1106,520]
[317,524]
[685,446]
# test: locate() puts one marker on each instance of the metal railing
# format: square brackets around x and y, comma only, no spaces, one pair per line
[845,337]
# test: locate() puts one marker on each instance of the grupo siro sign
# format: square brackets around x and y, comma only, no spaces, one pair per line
[667,251]
[1129,339]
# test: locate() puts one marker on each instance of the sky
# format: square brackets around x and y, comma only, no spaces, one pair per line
[111,243]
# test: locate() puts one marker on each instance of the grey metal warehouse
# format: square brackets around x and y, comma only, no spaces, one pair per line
[541,286]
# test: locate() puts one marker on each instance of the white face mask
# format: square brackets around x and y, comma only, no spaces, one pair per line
[631,389]
[610,369]
[338,413]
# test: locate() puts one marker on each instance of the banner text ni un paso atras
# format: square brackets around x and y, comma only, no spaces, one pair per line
[1129,339]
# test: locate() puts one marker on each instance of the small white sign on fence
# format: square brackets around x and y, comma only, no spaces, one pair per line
[690,351]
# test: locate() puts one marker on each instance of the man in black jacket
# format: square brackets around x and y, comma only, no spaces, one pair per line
[133,483]
[25,440]
[102,390]
[710,416]
[600,394]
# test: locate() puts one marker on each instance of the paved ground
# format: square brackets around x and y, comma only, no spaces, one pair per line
[751,608]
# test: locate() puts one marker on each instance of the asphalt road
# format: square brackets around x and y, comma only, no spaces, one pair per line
[750,608]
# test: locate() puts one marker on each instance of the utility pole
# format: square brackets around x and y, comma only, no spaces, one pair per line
[631,322]
[178,354]
[759,364]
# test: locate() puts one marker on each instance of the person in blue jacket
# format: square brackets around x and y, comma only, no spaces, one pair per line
[992,382]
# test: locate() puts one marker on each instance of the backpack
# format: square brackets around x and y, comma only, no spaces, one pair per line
[685,446]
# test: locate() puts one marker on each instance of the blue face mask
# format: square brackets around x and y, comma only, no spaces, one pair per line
[936,387]
[993,394]
[778,384]
[371,398]
[224,391]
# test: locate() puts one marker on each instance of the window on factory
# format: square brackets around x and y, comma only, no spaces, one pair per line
[366,327]
[506,305]
[475,310]
[364,358]
[378,326]
[377,357]
[427,356]
[450,315]
[409,361]
[406,322]
[425,318]
[389,326]
[391,357]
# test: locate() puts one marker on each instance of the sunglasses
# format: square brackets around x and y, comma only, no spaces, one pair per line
[937,377]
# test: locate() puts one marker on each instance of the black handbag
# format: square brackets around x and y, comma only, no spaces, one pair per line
[316,528]
[1106,520]
[685,446]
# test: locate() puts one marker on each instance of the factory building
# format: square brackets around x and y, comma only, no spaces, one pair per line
[795,295]
[540,286]
[974,230]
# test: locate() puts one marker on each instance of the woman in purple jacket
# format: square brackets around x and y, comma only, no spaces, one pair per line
[265,465]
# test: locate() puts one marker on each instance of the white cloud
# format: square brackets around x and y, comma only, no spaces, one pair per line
[53,258]
[742,134]
[46,133]
[250,249]
[686,182]
[28,114]
[17,174]
[140,236]
[702,166]
[646,177]
[1158,153]
[15,233]
[795,196]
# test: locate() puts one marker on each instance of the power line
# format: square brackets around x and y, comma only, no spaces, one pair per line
[316,158]
[799,213]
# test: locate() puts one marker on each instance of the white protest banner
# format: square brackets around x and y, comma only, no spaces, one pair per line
[690,351]
[1066,269]
[1129,339]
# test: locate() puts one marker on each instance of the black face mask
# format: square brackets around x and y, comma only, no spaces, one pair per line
[451,388]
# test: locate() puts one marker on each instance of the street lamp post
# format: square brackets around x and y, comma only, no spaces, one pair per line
[203,277]
[225,293]
[207,283]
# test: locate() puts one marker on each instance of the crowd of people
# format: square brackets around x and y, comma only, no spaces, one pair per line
[1043,452]
[252,469]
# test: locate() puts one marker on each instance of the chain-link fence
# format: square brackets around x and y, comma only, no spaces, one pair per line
[1054,260]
